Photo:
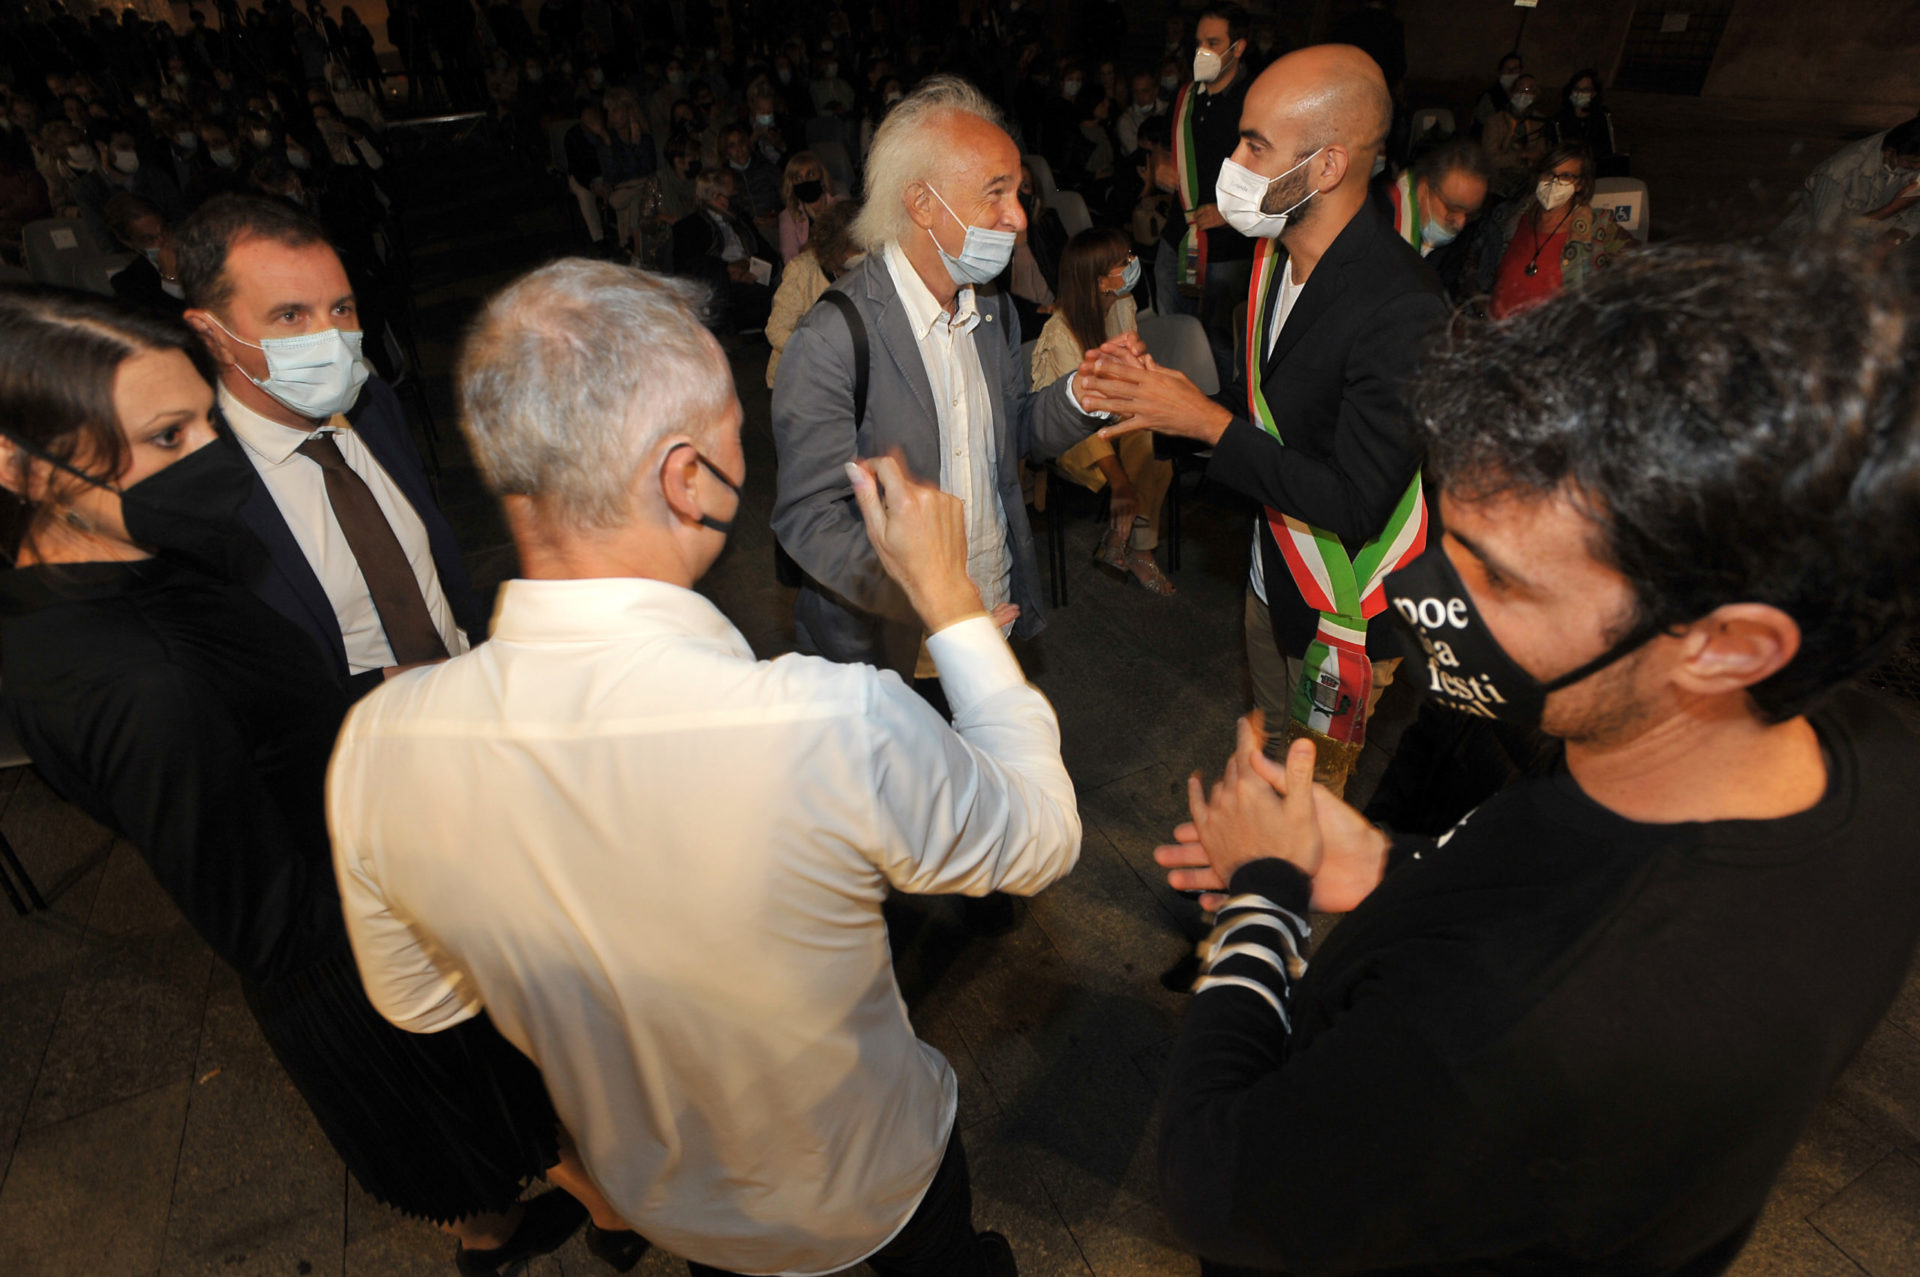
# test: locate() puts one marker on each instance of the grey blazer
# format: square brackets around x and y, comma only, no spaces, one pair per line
[849,609]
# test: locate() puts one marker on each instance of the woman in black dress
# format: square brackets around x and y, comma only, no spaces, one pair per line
[176,709]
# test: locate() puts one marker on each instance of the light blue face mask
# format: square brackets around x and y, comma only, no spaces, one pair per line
[983,255]
[1129,277]
[1437,235]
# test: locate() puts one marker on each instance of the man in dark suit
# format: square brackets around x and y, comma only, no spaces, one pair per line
[717,243]
[358,555]
[1319,434]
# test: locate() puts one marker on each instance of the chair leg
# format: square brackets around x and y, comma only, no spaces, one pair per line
[1170,520]
[14,869]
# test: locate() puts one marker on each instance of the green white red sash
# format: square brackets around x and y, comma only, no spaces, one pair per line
[1346,591]
[1406,207]
[1186,163]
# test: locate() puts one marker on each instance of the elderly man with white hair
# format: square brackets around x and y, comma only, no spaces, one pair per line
[658,863]
[936,356]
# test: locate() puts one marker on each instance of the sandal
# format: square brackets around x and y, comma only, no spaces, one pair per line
[1147,572]
[1111,553]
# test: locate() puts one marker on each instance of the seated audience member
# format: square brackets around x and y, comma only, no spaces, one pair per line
[23,193]
[358,554]
[1552,239]
[719,247]
[169,704]
[829,251]
[1494,100]
[1145,103]
[743,1082]
[1435,199]
[1098,274]
[1515,138]
[151,280]
[218,172]
[589,150]
[773,134]
[756,179]
[677,198]
[1584,118]
[806,191]
[1870,186]
[1583,1031]
[630,162]
[892,89]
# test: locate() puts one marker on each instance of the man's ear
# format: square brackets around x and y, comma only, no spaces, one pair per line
[13,469]
[203,323]
[920,205]
[1736,646]
[1331,170]
[677,472]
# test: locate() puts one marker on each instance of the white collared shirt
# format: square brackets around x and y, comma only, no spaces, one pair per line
[299,488]
[659,863]
[963,403]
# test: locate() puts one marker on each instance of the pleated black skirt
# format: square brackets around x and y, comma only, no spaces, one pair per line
[438,1125]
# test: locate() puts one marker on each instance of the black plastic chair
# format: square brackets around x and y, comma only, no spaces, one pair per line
[19,885]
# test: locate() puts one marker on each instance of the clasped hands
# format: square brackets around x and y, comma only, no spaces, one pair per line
[1261,809]
[1120,377]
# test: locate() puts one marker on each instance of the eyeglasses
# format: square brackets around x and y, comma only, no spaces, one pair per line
[1560,179]
[1123,263]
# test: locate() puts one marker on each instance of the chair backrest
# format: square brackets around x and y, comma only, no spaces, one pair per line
[1073,211]
[1432,122]
[833,154]
[95,273]
[53,247]
[1179,342]
[1626,198]
[1026,359]
[1042,177]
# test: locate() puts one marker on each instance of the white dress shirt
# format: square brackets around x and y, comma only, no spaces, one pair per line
[299,487]
[658,864]
[963,402]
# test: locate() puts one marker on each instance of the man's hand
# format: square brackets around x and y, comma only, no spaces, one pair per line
[1151,398]
[1126,351]
[1004,615]
[1207,217]
[1262,809]
[739,272]
[920,535]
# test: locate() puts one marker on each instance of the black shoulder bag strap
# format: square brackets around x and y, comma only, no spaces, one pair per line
[785,570]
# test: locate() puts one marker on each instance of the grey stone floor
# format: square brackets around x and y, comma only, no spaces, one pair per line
[145,1129]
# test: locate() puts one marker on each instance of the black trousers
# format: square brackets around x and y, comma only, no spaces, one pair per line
[938,1241]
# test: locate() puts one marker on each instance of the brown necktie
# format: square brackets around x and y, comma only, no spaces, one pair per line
[390,579]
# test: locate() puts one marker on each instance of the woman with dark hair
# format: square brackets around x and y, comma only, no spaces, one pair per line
[1098,272]
[167,702]
[1553,238]
[1584,118]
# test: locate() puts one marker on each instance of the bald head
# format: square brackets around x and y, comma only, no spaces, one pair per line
[1323,96]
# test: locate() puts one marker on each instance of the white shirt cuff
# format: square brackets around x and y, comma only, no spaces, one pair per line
[974,662]
[1075,400]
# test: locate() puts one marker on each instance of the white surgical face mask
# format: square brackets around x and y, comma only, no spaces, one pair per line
[984,253]
[763,121]
[1552,194]
[1168,83]
[80,157]
[1070,89]
[1206,66]
[298,159]
[222,156]
[127,161]
[1581,98]
[1507,78]
[1522,103]
[315,374]
[187,140]
[1239,193]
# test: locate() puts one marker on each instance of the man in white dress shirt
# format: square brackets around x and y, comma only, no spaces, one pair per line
[657,862]
[360,555]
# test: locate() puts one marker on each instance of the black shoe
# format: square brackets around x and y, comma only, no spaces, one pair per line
[990,915]
[619,1251]
[994,1256]
[549,1220]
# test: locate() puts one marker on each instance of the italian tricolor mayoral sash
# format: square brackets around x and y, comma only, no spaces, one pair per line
[1334,687]
[1407,205]
[1186,163]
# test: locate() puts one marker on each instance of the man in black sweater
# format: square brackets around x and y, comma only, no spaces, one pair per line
[1582,1031]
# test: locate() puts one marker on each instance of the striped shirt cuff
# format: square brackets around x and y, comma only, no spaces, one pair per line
[1259,939]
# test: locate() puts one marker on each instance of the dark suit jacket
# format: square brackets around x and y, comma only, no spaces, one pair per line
[697,245]
[285,581]
[1334,382]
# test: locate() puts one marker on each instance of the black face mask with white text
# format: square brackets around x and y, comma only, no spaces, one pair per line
[1467,669]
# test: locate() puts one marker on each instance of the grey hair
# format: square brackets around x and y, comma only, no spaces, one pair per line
[574,373]
[905,151]
[709,184]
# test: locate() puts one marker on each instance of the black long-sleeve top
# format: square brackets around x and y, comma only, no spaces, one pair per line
[1553,1041]
[191,719]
